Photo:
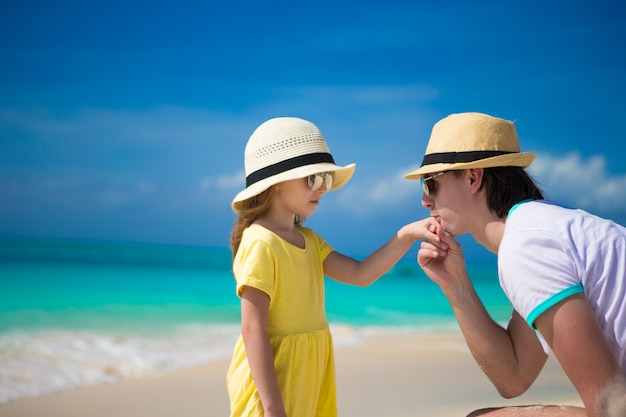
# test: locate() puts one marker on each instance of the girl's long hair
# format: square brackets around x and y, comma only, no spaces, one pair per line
[250,210]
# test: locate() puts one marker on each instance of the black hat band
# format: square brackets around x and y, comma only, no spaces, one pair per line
[460,157]
[286,165]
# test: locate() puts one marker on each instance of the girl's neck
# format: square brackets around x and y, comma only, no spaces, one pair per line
[276,219]
[283,226]
[275,226]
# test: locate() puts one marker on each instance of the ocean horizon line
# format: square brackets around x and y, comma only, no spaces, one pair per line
[15,247]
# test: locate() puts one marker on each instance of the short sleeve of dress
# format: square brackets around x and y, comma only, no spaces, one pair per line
[254,267]
[325,248]
[537,270]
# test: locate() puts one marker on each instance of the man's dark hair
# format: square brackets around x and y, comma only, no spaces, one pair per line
[506,186]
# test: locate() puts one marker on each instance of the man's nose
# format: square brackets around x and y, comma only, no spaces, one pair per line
[427,202]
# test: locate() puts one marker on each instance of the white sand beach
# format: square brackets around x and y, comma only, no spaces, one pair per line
[387,376]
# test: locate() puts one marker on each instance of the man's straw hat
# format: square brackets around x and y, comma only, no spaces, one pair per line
[287,148]
[471,140]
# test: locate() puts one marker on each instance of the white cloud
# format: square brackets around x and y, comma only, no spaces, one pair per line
[371,95]
[192,158]
[81,193]
[166,141]
[370,197]
[162,124]
[569,179]
[580,182]
[227,182]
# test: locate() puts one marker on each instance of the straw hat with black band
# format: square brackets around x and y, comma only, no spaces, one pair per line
[471,140]
[287,148]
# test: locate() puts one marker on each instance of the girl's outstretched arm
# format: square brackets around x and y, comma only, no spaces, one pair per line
[363,273]
[254,309]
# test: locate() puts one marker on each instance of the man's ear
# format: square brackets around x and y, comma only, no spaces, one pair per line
[475,176]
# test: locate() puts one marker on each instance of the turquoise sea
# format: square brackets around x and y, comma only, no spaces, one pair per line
[77,313]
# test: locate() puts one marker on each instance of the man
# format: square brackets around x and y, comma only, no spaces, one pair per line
[563,270]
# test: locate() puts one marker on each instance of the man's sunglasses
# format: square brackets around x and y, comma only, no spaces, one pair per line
[429,186]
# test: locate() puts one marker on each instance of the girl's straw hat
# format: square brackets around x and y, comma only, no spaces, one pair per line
[471,140]
[287,148]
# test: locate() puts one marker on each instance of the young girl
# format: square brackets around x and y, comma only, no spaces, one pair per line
[283,362]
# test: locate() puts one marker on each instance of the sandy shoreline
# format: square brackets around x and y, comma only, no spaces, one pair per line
[388,376]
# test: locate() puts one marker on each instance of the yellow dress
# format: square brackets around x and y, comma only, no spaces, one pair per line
[297,326]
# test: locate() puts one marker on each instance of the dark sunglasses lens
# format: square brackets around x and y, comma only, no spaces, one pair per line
[429,186]
[424,187]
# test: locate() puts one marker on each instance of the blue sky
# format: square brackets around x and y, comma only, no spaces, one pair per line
[127,120]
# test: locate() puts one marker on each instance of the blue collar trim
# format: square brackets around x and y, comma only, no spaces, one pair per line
[516,205]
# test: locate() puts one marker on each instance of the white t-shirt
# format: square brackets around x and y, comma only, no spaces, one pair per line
[549,253]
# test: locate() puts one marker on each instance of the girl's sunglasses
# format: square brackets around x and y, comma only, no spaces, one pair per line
[429,186]
[315,181]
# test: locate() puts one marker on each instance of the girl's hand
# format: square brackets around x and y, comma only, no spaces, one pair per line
[423,229]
